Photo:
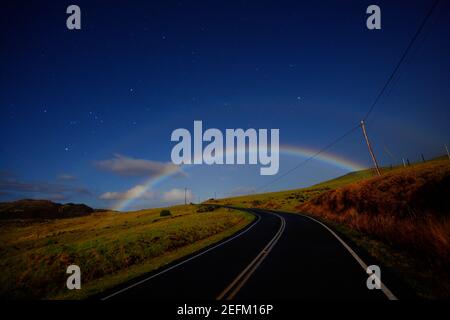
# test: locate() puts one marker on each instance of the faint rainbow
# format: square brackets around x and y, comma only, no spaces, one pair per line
[304,152]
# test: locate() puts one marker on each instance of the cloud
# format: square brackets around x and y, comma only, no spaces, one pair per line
[4,174]
[176,195]
[127,166]
[57,197]
[241,191]
[66,177]
[137,191]
[14,188]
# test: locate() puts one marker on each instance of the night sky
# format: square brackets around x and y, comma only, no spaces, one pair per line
[86,115]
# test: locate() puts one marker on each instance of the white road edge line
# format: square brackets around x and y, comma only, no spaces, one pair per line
[184,261]
[385,289]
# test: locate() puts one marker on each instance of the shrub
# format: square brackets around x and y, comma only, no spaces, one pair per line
[165,213]
[206,208]
[256,203]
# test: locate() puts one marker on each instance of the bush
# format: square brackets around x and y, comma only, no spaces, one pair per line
[165,213]
[206,208]
[256,203]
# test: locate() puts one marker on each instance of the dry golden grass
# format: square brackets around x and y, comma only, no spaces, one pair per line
[288,200]
[109,248]
[408,209]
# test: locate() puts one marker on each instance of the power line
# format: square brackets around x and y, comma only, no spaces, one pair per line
[402,58]
[328,146]
[380,94]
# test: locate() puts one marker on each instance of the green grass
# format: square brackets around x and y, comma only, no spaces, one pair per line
[109,247]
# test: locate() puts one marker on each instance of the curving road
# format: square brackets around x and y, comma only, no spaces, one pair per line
[279,256]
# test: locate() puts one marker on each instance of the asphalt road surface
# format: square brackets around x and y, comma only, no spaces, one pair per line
[279,256]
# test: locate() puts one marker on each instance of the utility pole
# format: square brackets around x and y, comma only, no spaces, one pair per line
[370,148]
[448,154]
[185,198]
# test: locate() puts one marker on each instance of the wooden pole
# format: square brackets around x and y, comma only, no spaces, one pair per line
[377,168]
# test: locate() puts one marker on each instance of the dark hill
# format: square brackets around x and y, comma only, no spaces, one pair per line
[41,209]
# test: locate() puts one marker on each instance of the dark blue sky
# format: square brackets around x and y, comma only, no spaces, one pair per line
[114,91]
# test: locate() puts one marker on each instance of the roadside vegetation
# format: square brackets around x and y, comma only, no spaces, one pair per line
[401,218]
[109,247]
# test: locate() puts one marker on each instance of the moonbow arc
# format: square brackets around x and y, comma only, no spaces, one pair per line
[238,147]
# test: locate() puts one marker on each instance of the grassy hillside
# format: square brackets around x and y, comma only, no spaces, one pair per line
[290,199]
[109,247]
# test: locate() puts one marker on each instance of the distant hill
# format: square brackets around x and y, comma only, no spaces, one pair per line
[41,209]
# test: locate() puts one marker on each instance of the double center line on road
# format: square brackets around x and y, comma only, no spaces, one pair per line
[234,287]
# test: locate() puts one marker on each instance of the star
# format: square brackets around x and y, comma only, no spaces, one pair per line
[66,149]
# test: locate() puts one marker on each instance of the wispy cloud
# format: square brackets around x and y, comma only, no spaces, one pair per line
[12,188]
[66,177]
[128,166]
[139,192]
[129,194]
[241,191]
[176,195]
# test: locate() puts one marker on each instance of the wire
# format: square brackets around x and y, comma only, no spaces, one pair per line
[402,58]
[372,107]
[328,146]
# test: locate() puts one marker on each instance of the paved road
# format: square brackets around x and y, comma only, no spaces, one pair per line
[279,256]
